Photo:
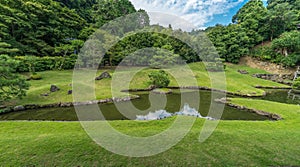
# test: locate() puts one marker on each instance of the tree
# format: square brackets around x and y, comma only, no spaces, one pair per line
[230,41]
[287,43]
[250,17]
[11,84]
[107,10]
[159,79]
[36,27]
[282,16]
[6,48]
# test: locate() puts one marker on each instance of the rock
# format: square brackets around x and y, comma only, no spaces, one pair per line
[54,88]
[66,104]
[19,108]
[31,106]
[152,87]
[70,92]
[243,71]
[105,74]
[45,94]
[222,100]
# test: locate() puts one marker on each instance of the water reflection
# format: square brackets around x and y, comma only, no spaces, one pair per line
[162,114]
[282,96]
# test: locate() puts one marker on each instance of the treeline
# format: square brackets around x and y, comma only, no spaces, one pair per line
[51,28]
[54,27]
[269,33]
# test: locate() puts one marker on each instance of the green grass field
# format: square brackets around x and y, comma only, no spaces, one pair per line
[233,143]
[236,83]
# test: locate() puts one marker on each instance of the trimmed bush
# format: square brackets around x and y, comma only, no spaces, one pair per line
[160,79]
[36,64]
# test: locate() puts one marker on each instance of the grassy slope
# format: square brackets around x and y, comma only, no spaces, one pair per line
[236,82]
[233,143]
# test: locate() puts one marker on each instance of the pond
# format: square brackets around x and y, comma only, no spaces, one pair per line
[174,103]
[281,96]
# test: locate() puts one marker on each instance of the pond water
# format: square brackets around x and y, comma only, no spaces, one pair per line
[174,103]
[281,95]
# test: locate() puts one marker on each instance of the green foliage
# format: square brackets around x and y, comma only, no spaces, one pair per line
[107,10]
[6,48]
[287,43]
[250,17]
[154,37]
[253,24]
[159,79]
[36,27]
[35,64]
[35,77]
[84,8]
[282,16]
[44,27]
[296,84]
[231,42]
[291,60]
[11,84]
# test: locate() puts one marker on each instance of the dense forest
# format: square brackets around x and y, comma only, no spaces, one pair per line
[269,33]
[51,33]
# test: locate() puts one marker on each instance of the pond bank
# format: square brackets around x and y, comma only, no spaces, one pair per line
[67,104]
[272,116]
[129,98]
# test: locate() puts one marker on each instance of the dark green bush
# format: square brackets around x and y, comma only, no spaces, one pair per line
[296,84]
[291,60]
[36,64]
[159,79]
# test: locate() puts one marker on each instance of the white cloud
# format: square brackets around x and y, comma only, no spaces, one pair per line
[197,12]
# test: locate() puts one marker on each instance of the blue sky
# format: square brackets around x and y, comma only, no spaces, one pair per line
[200,13]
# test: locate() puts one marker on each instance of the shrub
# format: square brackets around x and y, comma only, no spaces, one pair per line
[296,84]
[159,79]
[36,77]
[291,60]
[36,64]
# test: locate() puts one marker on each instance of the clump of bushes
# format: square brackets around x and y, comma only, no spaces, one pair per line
[36,64]
[296,84]
[159,79]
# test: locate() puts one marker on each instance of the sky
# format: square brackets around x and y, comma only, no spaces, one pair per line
[199,13]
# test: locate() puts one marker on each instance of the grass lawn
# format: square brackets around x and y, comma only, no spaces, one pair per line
[236,83]
[233,143]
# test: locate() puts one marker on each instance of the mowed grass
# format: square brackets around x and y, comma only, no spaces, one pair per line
[233,143]
[192,75]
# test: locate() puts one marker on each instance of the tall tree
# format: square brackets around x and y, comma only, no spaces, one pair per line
[107,10]
[251,17]
[11,84]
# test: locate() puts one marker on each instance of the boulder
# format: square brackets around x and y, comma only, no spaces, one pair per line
[19,108]
[243,71]
[105,74]
[54,88]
